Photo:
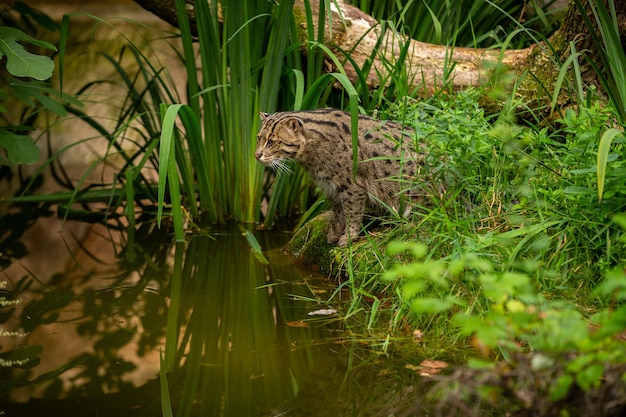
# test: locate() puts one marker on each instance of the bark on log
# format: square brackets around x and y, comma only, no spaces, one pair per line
[427,65]
[166,10]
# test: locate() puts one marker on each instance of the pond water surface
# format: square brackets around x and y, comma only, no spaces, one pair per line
[110,318]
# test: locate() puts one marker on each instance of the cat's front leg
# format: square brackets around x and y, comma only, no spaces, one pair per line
[353,202]
[338,224]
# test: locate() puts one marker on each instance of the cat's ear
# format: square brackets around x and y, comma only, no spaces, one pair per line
[294,124]
[263,115]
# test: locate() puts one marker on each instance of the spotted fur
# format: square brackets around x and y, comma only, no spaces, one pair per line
[321,142]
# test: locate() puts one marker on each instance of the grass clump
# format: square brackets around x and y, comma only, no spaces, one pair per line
[521,199]
[513,253]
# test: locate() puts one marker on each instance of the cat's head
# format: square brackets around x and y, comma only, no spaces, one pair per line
[280,139]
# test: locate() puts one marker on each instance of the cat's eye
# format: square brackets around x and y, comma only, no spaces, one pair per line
[269,142]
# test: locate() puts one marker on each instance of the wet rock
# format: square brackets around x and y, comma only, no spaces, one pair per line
[308,244]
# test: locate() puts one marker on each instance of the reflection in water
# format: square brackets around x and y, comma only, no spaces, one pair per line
[233,334]
[102,322]
[98,313]
[237,357]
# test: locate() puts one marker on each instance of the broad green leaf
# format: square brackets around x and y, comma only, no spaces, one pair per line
[480,364]
[20,148]
[561,388]
[20,62]
[603,156]
[430,305]
[9,32]
[412,287]
[590,376]
[469,324]
[491,335]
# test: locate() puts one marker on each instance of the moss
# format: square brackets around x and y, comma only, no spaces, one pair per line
[308,245]
[301,24]
[538,85]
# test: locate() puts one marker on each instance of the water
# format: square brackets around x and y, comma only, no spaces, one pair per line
[114,318]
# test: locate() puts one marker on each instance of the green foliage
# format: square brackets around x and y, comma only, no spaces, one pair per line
[612,75]
[612,72]
[237,80]
[21,99]
[20,147]
[508,227]
[604,149]
[513,316]
[20,62]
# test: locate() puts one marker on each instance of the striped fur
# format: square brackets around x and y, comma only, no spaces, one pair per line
[321,142]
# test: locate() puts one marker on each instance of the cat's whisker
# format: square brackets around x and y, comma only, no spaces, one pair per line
[280,166]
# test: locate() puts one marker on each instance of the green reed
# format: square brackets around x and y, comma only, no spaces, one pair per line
[249,63]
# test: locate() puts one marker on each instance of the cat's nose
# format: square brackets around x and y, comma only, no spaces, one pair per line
[258,155]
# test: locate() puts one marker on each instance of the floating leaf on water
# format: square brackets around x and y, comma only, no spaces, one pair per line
[298,323]
[428,367]
[429,363]
[323,312]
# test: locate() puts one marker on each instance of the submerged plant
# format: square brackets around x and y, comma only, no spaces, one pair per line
[22,357]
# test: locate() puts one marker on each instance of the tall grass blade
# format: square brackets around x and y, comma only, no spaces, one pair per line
[166,403]
[604,148]
[436,25]
[167,169]
[188,53]
[613,74]
[572,60]
[274,58]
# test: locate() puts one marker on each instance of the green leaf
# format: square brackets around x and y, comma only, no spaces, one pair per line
[614,324]
[413,287]
[589,376]
[28,92]
[254,245]
[603,155]
[491,334]
[469,324]
[613,284]
[480,364]
[438,32]
[166,403]
[418,250]
[20,62]
[430,305]
[561,388]
[168,173]
[20,148]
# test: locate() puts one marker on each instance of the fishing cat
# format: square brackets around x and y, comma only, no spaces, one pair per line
[321,142]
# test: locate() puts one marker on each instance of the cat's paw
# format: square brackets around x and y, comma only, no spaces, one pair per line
[332,238]
[343,241]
